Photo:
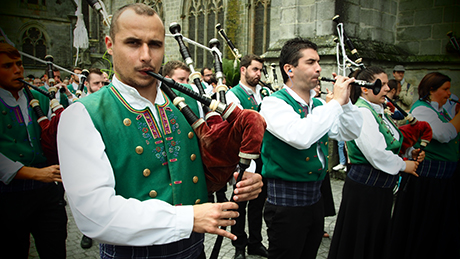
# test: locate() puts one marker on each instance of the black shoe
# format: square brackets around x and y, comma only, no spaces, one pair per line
[258,250]
[239,254]
[86,242]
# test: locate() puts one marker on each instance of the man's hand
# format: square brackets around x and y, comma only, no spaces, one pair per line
[209,217]
[418,155]
[248,188]
[342,88]
[329,96]
[47,174]
[411,167]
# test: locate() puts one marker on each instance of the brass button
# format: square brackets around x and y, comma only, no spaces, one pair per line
[310,172]
[146,172]
[21,155]
[325,143]
[197,201]
[139,150]
[153,194]
[307,159]
[9,126]
[327,157]
[195,179]
[127,122]
[4,112]
[249,98]
[190,135]
[193,157]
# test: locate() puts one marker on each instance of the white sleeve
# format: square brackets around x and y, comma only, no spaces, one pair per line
[372,144]
[8,169]
[348,125]
[442,131]
[301,133]
[89,182]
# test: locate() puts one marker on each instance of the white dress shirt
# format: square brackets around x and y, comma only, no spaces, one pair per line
[442,131]
[89,182]
[372,143]
[340,122]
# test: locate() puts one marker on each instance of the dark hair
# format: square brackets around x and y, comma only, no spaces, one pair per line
[202,70]
[393,84]
[367,74]
[76,68]
[9,50]
[171,66]
[431,82]
[94,71]
[139,8]
[290,53]
[247,59]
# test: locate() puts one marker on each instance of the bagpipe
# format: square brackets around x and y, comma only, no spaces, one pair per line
[411,132]
[237,56]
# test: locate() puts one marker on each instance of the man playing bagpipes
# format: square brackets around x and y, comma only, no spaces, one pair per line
[29,196]
[136,182]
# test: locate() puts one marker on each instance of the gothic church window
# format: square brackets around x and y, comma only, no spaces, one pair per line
[202,17]
[33,43]
[260,26]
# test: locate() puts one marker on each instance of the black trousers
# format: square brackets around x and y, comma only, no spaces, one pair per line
[255,215]
[35,212]
[294,232]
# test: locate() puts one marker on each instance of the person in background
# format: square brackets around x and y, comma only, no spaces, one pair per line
[393,94]
[76,81]
[426,216]
[248,95]
[29,196]
[408,94]
[206,74]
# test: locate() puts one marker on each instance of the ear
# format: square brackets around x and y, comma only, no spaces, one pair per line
[288,69]
[109,44]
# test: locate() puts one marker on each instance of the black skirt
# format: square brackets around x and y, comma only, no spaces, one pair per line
[362,227]
[426,220]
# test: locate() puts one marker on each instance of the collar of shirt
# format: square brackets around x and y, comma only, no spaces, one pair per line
[75,85]
[297,97]
[402,81]
[435,105]
[377,107]
[9,99]
[138,102]
[249,90]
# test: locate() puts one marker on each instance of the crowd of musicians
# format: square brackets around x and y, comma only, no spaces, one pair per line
[135,168]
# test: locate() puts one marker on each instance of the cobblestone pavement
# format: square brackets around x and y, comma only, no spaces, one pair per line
[74,251]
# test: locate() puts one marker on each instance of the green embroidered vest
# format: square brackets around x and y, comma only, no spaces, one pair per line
[14,133]
[355,155]
[246,99]
[149,160]
[192,103]
[436,150]
[283,161]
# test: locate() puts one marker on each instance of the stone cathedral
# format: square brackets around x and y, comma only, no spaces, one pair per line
[419,34]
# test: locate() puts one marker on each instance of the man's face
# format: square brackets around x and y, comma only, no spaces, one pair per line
[76,78]
[398,75]
[38,82]
[180,75]
[138,47]
[306,74]
[251,74]
[95,82]
[207,75]
[11,69]
[57,76]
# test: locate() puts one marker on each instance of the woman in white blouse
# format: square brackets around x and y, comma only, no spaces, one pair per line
[426,218]
[362,227]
